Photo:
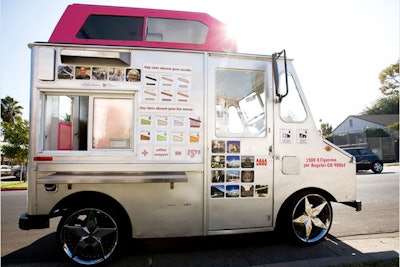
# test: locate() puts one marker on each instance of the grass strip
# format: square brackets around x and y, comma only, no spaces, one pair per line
[11,185]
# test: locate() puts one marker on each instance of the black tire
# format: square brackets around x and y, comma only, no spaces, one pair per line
[377,167]
[90,235]
[309,218]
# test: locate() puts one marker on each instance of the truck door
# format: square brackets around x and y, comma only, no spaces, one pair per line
[239,171]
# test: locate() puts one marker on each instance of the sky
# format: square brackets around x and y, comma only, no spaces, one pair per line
[339,47]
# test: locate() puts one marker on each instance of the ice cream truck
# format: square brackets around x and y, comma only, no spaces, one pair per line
[148,123]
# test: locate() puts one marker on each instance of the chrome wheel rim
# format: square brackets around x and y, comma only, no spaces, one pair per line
[311,218]
[89,236]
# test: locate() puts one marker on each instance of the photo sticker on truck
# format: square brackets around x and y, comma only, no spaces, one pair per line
[247,176]
[218,176]
[99,73]
[247,161]
[232,191]
[233,146]
[261,190]
[116,74]
[133,75]
[218,161]
[247,190]
[217,191]
[65,72]
[232,176]
[217,146]
[232,161]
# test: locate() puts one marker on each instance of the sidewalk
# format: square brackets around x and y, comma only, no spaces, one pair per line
[353,250]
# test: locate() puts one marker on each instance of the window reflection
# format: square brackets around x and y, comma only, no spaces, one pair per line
[176,31]
[240,109]
[58,124]
[291,107]
[111,123]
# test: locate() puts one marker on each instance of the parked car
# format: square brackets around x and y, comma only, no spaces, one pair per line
[366,159]
[5,170]
[17,172]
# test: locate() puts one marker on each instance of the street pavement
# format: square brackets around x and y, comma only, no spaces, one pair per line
[338,251]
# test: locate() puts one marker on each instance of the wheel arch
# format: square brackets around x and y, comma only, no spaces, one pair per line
[279,222]
[80,199]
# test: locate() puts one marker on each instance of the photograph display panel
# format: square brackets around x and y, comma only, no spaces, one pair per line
[232,173]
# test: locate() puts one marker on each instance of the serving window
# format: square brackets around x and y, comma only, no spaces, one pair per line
[76,122]
[112,123]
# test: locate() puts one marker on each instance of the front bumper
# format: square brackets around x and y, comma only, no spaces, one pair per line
[28,222]
[355,204]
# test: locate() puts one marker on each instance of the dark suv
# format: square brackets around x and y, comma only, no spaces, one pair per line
[366,159]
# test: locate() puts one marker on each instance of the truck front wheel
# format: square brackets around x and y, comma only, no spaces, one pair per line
[310,218]
[89,235]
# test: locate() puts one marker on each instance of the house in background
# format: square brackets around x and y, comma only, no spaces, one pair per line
[352,132]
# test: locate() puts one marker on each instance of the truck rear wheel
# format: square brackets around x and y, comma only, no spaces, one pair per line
[310,218]
[89,235]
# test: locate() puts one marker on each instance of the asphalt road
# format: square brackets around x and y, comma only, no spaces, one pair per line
[378,192]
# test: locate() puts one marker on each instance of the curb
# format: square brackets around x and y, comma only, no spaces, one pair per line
[14,189]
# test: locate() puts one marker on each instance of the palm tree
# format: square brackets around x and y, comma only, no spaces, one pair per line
[10,109]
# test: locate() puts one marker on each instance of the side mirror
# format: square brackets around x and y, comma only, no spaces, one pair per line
[275,69]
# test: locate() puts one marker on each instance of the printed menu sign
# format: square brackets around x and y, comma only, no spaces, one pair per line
[169,126]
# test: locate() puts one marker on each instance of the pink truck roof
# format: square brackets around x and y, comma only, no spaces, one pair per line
[123,26]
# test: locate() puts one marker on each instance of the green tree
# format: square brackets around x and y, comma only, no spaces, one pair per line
[384,105]
[375,132]
[17,134]
[394,126]
[326,129]
[10,109]
[390,83]
[390,80]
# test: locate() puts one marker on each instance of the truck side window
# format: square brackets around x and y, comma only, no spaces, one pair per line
[112,123]
[66,123]
[106,27]
[291,107]
[176,31]
[240,110]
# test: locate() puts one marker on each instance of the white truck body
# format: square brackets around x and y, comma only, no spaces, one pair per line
[155,142]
